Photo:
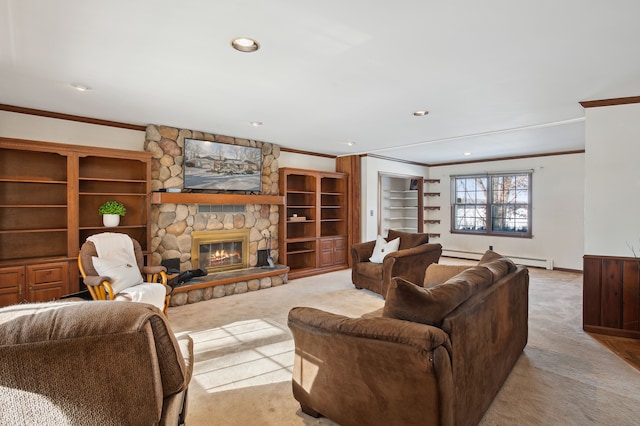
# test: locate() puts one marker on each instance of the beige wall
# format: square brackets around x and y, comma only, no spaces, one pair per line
[612,180]
[31,127]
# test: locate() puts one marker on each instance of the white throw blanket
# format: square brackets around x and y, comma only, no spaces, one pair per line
[112,245]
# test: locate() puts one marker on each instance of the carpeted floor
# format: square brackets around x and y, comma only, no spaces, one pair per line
[244,356]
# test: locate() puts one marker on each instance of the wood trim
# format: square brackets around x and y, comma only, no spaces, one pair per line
[206,198]
[297,151]
[612,331]
[610,102]
[70,117]
[351,166]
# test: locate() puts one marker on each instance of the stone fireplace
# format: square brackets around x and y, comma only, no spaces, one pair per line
[176,223]
[218,251]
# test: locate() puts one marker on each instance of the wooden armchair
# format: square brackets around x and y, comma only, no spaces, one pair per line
[409,262]
[120,280]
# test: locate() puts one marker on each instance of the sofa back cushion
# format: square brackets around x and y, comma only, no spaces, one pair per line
[410,302]
[497,264]
[408,239]
[437,273]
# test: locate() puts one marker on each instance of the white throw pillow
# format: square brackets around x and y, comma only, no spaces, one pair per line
[123,273]
[383,248]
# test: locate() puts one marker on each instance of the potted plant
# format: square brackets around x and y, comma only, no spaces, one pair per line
[111,212]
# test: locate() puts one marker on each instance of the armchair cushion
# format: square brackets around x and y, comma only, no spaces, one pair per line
[121,272]
[152,293]
[370,270]
[383,248]
[408,239]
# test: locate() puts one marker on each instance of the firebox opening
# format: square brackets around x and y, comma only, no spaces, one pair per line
[218,251]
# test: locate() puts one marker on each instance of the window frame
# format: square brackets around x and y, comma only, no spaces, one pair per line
[490,204]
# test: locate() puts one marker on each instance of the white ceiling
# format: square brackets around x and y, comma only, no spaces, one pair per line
[500,77]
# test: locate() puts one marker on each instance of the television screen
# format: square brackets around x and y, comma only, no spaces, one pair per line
[222,167]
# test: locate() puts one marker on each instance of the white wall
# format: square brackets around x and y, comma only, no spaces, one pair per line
[309,162]
[557,216]
[612,201]
[31,127]
[369,168]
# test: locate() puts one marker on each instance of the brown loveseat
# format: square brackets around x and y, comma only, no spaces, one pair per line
[436,356]
[91,363]
[409,262]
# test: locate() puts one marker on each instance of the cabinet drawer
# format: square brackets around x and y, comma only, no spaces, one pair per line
[47,273]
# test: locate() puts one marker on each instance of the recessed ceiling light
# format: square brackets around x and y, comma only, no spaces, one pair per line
[467,154]
[80,87]
[421,113]
[255,123]
[244,44]
[350,143]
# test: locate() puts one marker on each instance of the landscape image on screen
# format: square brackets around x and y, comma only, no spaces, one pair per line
[220,166]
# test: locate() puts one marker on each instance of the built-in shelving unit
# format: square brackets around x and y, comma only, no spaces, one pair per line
[400,203]
[432,207]
[49,199]
[313,221]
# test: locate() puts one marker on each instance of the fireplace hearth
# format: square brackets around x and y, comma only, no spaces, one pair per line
[221,250]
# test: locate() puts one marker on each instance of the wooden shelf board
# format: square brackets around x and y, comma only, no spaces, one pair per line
[94,179]
[293,252]
[32,180]
[32,231]
[205,198]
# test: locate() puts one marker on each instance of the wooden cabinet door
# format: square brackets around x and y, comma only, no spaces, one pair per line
[47,281]
[12,285]
[340,251]
[326,252]
[333,251]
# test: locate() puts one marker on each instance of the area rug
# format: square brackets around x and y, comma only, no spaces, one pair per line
[244,357]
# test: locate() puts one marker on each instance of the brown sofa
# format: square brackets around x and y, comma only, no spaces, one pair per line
[91,363]
[409,262]
[436,356]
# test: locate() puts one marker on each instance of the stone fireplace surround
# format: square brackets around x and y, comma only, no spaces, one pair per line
[173,223]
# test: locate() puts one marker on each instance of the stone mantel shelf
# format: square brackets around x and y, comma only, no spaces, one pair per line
[204,198]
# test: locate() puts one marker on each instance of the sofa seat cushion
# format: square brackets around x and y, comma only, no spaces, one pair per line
[408,239]
[410,302]
[437,273]
[370,270]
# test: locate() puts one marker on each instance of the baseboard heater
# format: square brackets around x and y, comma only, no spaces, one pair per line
[538,263]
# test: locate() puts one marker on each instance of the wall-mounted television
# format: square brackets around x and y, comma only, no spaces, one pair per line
[221,166]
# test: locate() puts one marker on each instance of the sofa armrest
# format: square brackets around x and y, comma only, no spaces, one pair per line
[375,370]
[94,280]
[361,252]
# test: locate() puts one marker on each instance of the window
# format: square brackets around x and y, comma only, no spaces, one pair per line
[492,204]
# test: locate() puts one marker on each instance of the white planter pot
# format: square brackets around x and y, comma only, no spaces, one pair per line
[111,220]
